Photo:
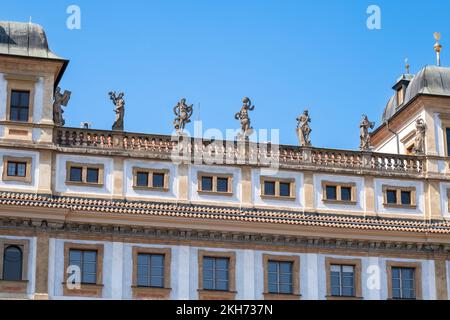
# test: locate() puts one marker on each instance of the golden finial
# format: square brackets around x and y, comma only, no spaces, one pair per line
[437,47]
[407,66]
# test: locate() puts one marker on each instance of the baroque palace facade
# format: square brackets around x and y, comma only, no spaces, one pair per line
[90,213]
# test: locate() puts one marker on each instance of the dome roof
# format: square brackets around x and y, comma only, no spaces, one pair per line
[24,39]
[431,80]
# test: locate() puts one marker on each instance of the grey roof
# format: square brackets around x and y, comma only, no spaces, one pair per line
[24,39]
[432,80]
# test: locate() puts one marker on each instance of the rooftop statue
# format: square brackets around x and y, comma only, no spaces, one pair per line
[419,142]
[364,135]
[303,129]
[60,99]
[119,102]
[183,113]
[243,116]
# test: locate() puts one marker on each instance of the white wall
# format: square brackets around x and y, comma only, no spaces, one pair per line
[60,178]
[419,210]
[3,96]
[299,189]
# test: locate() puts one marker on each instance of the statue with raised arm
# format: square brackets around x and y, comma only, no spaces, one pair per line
[243,116]
[419,142]
[364,135]
[183,113]
[303,129]
[119,103]
[60,100]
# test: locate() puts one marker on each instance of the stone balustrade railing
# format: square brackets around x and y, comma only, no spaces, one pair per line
[230,152]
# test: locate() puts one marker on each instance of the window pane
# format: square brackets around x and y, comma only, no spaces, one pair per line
[90,256]
[208,284]
[222,274]
[21,169]
[406,197]
[89,267]
[12,169]
[273,287]
[74,255]
[157,260]
[222,263]
[75,174]
[92,175]
[23,114]
[346,194]
[285,189]
[207,263]
[286,288]
[143,259]
[157,282]
[207,183]
[142,179]
[222,285]
[158,180]
[12,264]
[269,188]
[272,266]
[348,292]
[15,98]
[331,192]
[222,184]
[19,105]
[391,196]
[89,278]
[448,141]
[273,278]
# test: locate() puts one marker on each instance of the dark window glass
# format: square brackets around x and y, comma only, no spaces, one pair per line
[403,283]
[142,179]
[285,189]
[86,260]
[346,194]
[92,175]
[20,101]
[391,196]
[216,273]
[269,188]
[76,174]
[207,183]
[222,184]
[342,280]
[280,277]
[150,270]
[448,140]
[406,197]
[17,169]
[12,263]
[158,180]
[331,193]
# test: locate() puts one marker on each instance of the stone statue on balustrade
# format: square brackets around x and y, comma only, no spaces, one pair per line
[364,134]
[419,142]
[119,103]
[60,100]
[183,113]
[243,117]
[303,129]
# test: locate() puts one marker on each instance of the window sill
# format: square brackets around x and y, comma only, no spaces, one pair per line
[151,189]
[343,298]
[400,206]
[215,193]
[84,184]
[342,202]
[216,295]
[265,197]
[17,179]
[153,293]
[85,290]
[281,296]
[19,286]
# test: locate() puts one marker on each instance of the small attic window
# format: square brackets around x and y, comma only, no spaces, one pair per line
[400,96]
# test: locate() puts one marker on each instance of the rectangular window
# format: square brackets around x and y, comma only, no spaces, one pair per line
[280,278]
[84,174]
[216,273]
[447,133]
[86,260]
[20,105]
[331,193]
[399,196]
[17,169]
[207,184]
[342,279]
[277,188]
[142,179]
[151,179]
[215,184]
[150,270]
[403,283]
[336,192]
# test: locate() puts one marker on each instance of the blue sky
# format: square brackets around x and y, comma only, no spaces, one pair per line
[285,55]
